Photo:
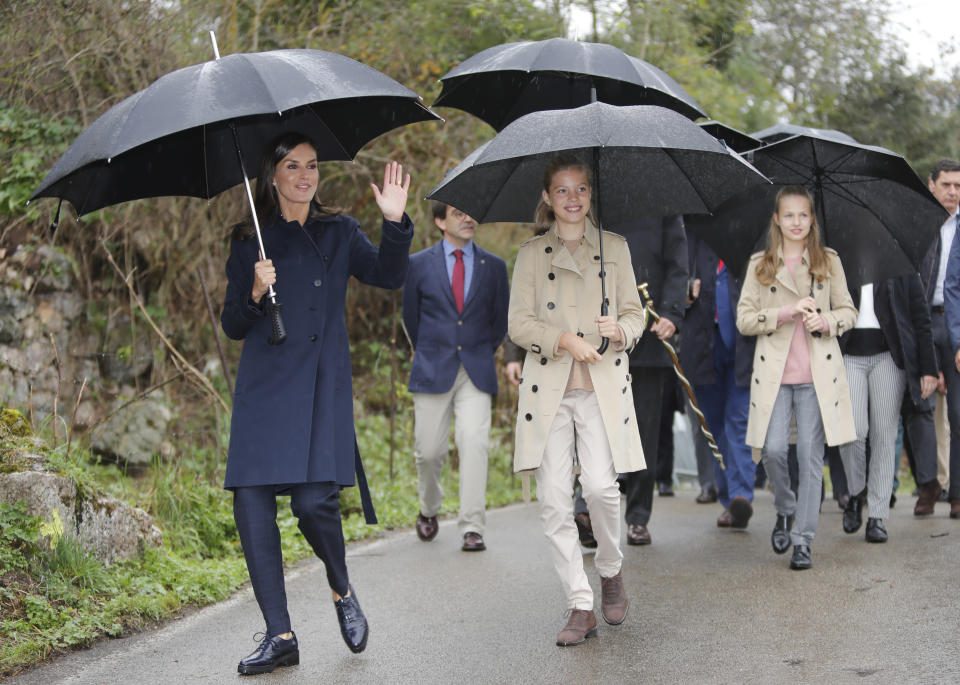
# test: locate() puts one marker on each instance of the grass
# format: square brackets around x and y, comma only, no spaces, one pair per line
[54,596]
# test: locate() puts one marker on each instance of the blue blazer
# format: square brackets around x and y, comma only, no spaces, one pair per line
[443,339]
[951,295]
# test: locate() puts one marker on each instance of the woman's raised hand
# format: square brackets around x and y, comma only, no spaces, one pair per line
[579,348]
[392,200]
[264,275]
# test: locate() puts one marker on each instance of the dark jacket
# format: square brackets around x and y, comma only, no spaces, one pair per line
[696,349]
[901,308]
[442,338]
[658,249]
[293,403]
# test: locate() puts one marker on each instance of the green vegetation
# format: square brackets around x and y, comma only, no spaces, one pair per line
[828,63]
[55,596]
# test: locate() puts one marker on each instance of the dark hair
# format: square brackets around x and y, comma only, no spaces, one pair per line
[945,164]
[265,195]
[544,216]
[438,209]
[819,264]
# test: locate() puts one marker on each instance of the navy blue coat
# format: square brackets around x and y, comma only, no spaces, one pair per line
[696,347]
[293,403]
[442,338]
[658,250]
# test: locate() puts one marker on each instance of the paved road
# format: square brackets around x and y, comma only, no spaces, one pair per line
[707,605]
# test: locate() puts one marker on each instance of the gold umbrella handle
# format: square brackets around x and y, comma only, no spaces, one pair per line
[648,310]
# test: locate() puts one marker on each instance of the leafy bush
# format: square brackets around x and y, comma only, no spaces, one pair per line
[29,142]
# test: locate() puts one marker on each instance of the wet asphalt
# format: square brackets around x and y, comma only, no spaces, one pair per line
[707,605]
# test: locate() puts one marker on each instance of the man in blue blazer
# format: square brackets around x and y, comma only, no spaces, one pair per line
[455,302]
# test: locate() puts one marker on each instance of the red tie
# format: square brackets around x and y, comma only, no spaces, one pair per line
[457,284]
[719,266]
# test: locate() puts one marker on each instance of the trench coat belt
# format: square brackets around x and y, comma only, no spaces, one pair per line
[369,515]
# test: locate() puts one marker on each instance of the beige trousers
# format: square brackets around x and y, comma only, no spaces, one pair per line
[942,425]
[431,439]
[578,418]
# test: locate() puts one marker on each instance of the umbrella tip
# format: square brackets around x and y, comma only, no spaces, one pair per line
[216,50]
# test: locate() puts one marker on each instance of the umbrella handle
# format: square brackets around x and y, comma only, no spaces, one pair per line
[276,323]
[604,342]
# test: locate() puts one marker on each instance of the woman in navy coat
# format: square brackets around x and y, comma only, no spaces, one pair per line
[292,427]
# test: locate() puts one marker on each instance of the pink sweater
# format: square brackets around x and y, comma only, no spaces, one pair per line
[797,367]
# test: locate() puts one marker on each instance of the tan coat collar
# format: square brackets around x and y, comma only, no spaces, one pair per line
[562,259]
[783,273]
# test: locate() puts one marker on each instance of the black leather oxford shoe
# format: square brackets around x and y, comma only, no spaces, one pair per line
[876,532]
[801,558]
[353,624]
[272,653]
[853,514]
[780,537]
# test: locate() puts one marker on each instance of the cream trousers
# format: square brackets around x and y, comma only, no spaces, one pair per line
[578,419]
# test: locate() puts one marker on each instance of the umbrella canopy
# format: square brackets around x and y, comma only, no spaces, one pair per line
[646,160]
[772,134]
[505,82]
[872,207]
[734,139]
[175,136]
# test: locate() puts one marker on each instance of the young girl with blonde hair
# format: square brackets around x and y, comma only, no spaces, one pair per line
[570,394]
[795,300]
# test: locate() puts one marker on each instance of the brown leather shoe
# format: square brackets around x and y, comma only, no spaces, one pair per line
[927,497]
[725,519]
[585,530]
[473,542]
[955,508]
[638,535]
[613,605]
[582,624]
[427,527]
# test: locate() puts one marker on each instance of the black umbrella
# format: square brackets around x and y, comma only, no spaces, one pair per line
[734,139]
[508,81]
[645,160]
[872,207]
[772,134]
[200,130]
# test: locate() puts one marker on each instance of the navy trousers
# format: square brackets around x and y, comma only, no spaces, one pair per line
[317,509]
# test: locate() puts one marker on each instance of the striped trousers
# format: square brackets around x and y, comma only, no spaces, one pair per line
[876,392]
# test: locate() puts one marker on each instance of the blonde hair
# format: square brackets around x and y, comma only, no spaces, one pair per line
[819,264]
[544,216]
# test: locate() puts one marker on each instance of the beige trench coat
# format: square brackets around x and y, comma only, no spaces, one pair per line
[552,292]
[757,315]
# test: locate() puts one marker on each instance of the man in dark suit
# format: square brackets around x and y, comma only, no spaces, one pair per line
[455,302]
[718,362]
[658,249]
[944,183]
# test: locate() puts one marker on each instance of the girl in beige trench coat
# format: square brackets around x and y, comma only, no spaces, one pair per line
[569,392]
[795,300]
